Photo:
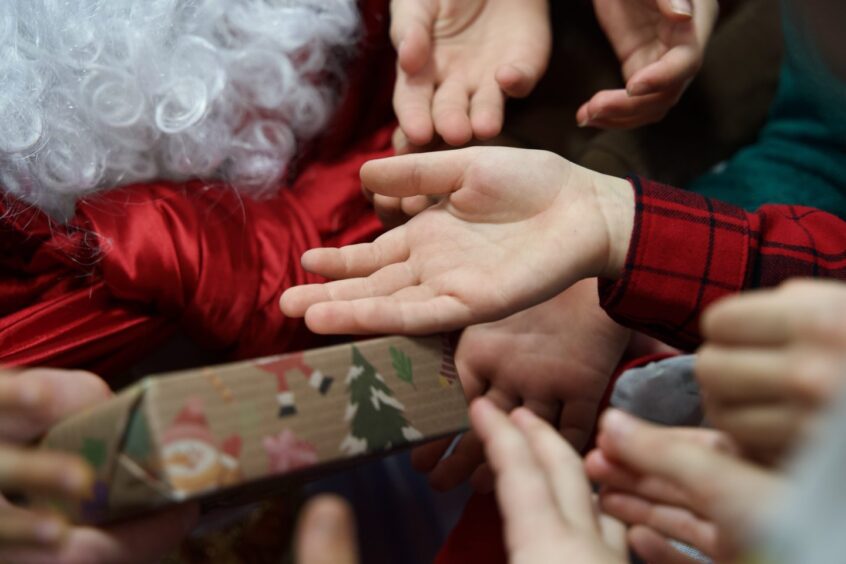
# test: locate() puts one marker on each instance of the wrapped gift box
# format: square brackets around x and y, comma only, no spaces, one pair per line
[238,432]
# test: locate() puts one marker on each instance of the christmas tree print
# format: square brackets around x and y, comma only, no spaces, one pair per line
[376,417]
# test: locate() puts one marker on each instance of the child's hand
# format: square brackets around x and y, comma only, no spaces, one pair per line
[30,402]
[548,509]
[678,483]
[517,227]
[554,359]
[326,532]
[458,59]
[771,361]
[661,45]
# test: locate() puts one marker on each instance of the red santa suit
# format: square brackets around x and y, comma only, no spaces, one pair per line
[136,263]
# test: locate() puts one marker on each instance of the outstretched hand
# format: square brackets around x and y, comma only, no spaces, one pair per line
[515,228]
[458,59]
[661,46]
[773,360]
[661,482]
[30,402]
[548,509]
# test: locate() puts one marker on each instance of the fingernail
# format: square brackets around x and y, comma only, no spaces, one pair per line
[48,531]
[583,123]
[639,89]
[682,7]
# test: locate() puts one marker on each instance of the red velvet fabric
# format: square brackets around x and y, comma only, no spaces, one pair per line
[136,263]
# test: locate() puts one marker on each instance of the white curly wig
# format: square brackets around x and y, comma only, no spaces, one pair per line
[100,93]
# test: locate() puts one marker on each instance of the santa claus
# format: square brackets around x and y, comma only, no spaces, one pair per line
[165,163]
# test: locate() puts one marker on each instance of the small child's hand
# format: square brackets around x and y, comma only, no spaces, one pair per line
[515,228]
[771,361]
[554,359]
[684,484]
[548,509]
[458,59]
[31,401]
[661,45]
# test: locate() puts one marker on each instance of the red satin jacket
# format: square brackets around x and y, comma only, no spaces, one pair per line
[138,262]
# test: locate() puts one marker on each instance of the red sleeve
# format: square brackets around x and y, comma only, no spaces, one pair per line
[687,251]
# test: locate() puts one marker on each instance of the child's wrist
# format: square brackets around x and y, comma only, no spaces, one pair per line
[617,204]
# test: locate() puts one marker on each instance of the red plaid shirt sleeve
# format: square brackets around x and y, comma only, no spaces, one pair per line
[687,251]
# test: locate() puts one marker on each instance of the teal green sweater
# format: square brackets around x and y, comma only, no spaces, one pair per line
[800,156]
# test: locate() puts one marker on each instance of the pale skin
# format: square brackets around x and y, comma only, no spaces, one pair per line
[551,222]
[549,512]
[527,359]
[687,484]
[30,402]
[458,61]
[773,359]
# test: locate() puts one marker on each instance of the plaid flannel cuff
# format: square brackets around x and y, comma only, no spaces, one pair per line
[685,252]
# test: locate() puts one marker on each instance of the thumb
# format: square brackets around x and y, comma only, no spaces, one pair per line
[412,22]
[676,10]
[47,396]
[326,533]
[691,465]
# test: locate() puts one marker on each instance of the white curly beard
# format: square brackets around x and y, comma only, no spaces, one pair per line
[101,93]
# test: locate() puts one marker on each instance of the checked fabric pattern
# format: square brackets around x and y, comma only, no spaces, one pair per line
[687,251]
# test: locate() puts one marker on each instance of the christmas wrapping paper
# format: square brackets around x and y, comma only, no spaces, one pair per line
[238,432]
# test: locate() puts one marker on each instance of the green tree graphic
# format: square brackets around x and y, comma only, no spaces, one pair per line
[376,417]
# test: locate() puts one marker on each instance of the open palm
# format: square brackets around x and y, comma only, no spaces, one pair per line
[516,228]
[457,59]
[660,49]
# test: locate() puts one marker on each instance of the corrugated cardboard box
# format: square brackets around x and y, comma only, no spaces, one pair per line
[234,433]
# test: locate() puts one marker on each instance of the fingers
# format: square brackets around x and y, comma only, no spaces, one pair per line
[518,79]
[648,449]
[763,429]
[411,32]
[412,103]
[563,469]
[383,282]
[468,455]
[617,477]
[675,522]
[326,533]
[670,73]
[33,400]
[749,375]
[615,109]
[655,548]
[21,528]
[796,311]
[138,541]
[450,112]
[389,314]
[358,260]
[486,111]
[43,473]
[522,490]
[436,173]
[676,10]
